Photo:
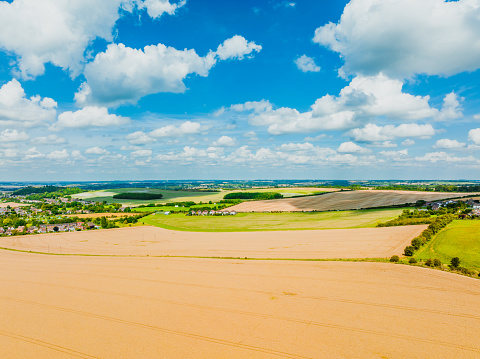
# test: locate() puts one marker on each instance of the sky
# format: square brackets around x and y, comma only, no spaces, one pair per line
[212,89]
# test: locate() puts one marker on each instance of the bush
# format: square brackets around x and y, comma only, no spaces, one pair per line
[429,263]
[417,243]
[408,251]
[412,260]
[395,259]
[437,262]
[455,262]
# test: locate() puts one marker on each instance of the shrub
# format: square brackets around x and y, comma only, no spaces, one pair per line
[412,260]
[417,243]
[408,251]
[429,263]
[455,262]
[395,259]
[437,262]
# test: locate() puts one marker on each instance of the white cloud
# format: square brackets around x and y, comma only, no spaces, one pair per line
[224,141]
[186,128]
[139,138]
[124,75]
[394,154]
[256,106]
[307,64]
[142,153]
[59,32]
[49,140]
[404,38]
[449,144]
[351,147]
[33,153]
[435,157]
[17,109]
[90,116]
[451,109]
[59,155]
[474,135]
[408,142]
[250,134]
[96,151]
[375,133]
[156,8]
[13,136]
[316,138]
[237,47]
[362,99]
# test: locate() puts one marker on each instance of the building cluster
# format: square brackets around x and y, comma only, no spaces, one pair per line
[212,213]
[48,228]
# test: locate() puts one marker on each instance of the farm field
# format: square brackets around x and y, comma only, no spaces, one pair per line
[273,221]
[461,239]
[183,196]
[154,241]
[343,200]
[56,307]
[12,204]
[98,215]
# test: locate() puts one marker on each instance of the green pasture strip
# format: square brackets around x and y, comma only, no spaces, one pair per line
[461,239]
[246,222]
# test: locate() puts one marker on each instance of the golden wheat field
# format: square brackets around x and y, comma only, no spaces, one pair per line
[59,307]
[154,241]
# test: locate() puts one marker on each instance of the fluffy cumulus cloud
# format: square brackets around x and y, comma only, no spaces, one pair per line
[474,136]
[186,128]
[366,97]
[90,116]
[142,153]
[16,109]
[433,37]
[351,147]
[12,136]
[156,8]
[124,75]
[375,133]
[59,155]
[449,144]
[306,64]
[96,151]
[434,157]
[237,47]
[60,31]
[224,141]
[49,140]
[139,138]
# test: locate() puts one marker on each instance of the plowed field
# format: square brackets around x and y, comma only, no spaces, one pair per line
[343,200]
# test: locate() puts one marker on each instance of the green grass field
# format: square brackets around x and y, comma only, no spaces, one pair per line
[182,196]
[459,239]
[244,222]
[173,208]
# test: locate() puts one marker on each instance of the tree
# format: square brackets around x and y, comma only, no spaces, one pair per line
[104,222]
[437,262]
[395,259]
[455,262]
[409,250]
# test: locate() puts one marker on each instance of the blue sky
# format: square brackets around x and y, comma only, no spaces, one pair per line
[165,89]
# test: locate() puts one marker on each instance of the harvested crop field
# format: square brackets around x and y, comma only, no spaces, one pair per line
[56,307]
[153,241]
[13,204]
[343,200]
